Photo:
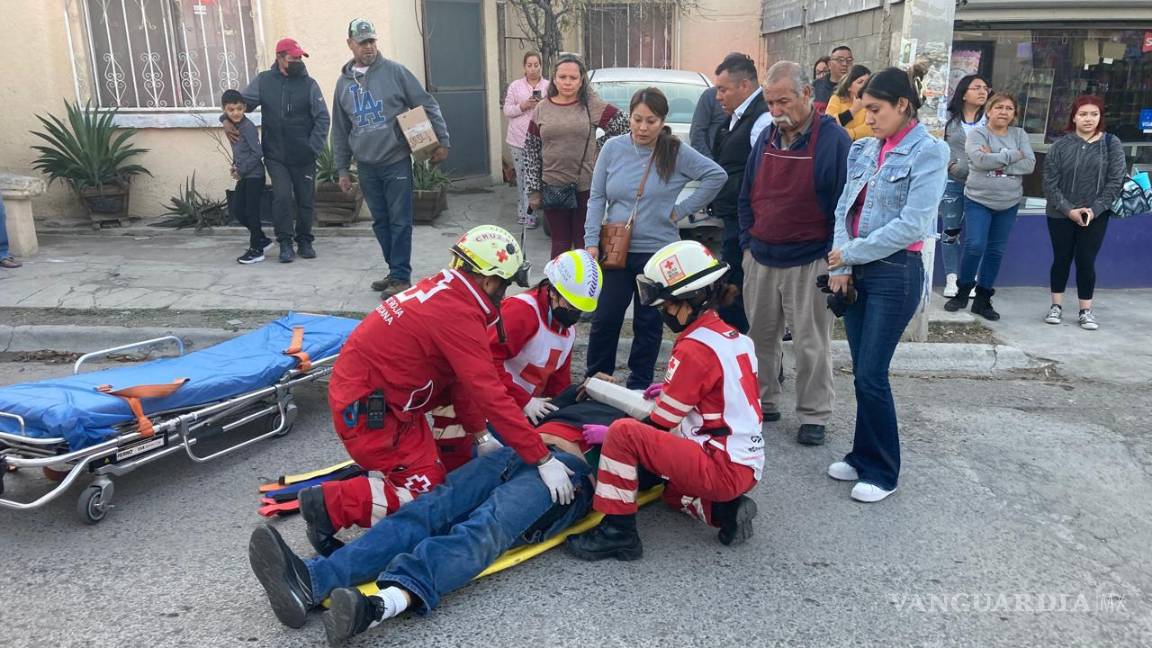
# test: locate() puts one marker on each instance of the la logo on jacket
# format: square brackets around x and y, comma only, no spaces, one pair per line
[369,111]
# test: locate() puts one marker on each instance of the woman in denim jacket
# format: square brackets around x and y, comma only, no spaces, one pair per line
[889,205]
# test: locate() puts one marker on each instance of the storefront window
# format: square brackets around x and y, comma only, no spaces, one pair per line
[1046,69]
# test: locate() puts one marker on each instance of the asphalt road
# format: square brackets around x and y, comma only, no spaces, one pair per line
[1023,518]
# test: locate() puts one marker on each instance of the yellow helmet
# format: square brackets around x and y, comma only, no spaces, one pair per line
[491,251]
[577,277]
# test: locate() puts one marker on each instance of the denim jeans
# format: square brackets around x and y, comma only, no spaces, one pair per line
[887,294]
[951,222]
[292,185]
[388,191]
[3,230]
[647,326]
[985,237]
[443,539]
[734,314]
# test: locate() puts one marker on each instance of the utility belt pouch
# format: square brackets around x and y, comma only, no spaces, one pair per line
[375,410]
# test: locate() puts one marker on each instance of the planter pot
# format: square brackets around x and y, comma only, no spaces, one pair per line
[334,207]
[106,203]
[428,203]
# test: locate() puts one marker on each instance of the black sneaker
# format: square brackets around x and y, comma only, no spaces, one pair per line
[286,253]
[282,574]
[306,250]
[265,242]
[770,416]
[734,519]
[253,255]
[810,434]
[317,524]
[350,613]
[615,537]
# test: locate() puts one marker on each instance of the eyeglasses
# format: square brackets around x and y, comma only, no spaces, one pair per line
[842,59]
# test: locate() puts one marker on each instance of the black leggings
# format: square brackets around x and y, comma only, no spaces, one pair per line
[1071,241]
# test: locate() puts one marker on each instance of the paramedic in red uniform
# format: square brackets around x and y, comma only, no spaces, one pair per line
[534,359]
[704,432]
[423,348]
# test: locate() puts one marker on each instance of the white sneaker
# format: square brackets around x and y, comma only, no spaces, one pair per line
[1054,314]
[950,285]
[869,493]
[1088,320]
[842,471]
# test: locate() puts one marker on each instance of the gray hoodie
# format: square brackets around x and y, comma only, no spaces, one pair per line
[1079,174]
[246,153]
[996,179]
[364,123]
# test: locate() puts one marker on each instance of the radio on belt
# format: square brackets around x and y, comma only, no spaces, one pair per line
[376,409]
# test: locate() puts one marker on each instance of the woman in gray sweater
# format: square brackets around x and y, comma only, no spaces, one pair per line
[999,156]
[1083,175]
[616,180]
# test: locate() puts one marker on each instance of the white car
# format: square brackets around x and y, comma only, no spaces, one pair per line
[683,89]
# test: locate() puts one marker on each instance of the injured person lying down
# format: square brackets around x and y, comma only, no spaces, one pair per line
[439,541]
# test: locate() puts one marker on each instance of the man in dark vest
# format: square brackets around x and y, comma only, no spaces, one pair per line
[738,93]
[786,211]
[295,128]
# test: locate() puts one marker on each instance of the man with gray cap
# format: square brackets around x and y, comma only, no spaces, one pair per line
[370,93]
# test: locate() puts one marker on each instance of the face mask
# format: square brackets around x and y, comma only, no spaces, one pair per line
[672,323]
[296,68]
[566,316]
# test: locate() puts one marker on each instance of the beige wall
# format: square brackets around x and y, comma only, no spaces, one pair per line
[35,31]
[715,29]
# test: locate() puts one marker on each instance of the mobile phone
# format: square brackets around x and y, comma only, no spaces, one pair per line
[536,94]
[1086,217]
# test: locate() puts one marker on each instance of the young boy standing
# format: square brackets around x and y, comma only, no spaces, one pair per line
[248,171]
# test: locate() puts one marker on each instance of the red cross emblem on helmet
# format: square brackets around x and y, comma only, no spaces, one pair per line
[501,255]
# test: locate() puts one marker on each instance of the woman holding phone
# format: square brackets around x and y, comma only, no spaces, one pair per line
[1083,175]
[519,103]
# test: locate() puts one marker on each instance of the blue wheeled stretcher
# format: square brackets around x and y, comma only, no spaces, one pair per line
[107,423]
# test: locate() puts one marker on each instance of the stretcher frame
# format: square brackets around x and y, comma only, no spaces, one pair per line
[175,430]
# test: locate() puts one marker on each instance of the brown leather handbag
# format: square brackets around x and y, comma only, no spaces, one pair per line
[616,238]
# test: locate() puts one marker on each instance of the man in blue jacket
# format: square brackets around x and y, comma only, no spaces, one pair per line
[295,127]
[370,93]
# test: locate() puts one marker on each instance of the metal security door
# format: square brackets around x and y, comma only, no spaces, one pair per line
[454,51]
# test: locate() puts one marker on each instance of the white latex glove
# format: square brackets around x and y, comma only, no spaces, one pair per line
[556,477]
[486,444]
[537,409]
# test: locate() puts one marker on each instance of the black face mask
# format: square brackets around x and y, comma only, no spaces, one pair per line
[672,323]
[566,316]
[295,69]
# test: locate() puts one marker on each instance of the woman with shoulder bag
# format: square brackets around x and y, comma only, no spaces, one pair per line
[965,112]
[888,207]
[561,148]
[635,185]
[1083,175]
[999,156]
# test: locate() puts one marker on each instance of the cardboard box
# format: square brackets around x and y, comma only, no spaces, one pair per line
[418,131]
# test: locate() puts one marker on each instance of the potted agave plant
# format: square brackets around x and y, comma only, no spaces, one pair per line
[91,155]
[429,191]
[333,205]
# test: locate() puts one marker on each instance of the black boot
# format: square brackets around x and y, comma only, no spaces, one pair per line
[350,613]
[306,250]
[982,304]
[317,525]
[615,537]
[284,576]
[960,301]
[286,253]
[734,518]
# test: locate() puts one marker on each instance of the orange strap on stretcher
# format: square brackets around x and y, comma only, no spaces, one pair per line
[134,394]
[296,349]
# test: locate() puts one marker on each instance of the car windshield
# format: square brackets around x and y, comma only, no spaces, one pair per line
[682,97]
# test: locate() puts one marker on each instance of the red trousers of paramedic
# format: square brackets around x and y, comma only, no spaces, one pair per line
[404,453]
[697,476]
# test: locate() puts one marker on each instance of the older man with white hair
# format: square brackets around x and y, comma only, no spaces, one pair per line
[786,210]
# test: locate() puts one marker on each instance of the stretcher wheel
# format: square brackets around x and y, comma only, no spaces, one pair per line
[290,413]
[94,503]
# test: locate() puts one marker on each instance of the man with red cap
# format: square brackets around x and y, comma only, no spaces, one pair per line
[295,130]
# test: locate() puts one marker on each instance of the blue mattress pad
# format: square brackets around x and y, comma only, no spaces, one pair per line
[73,409]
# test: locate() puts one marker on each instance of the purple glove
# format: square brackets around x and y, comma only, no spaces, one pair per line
[654,390]
[594,434]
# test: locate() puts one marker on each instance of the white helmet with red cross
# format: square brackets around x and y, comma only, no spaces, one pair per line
[680,271]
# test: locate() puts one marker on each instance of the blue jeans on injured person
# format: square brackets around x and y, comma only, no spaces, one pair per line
[888,292]
[985,237]
[388,191]
[442,540]
[3,231]
[951,222]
